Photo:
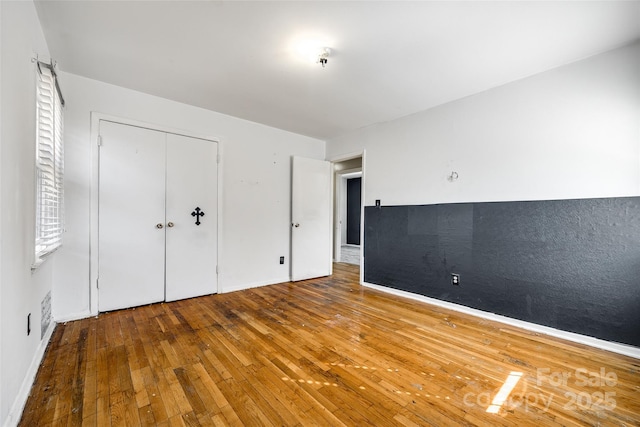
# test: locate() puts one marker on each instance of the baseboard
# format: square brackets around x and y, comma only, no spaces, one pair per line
[245,286]
[72,317]
[25,389]
[614,347]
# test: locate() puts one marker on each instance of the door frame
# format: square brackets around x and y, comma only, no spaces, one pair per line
[341,158]
[96,117]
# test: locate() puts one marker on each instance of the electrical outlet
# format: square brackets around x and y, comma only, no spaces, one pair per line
[455,279]
[281,260]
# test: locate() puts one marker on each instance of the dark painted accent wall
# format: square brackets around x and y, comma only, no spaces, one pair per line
[354,200]
[568,264]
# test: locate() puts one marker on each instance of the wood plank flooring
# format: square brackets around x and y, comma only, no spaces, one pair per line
[321,352]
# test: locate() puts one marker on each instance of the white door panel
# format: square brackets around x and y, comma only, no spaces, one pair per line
[311,219]
[131,204]
[149,247]
[191,249]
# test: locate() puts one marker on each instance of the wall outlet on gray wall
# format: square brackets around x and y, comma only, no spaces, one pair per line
[455,279]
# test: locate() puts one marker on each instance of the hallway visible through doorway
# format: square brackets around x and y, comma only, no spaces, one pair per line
[348,210]
[350,254]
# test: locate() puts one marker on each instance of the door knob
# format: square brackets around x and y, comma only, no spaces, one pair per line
[296,225]
[159,225]
[169,224]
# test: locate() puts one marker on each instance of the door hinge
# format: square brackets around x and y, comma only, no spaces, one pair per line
[99,140]
[98,283]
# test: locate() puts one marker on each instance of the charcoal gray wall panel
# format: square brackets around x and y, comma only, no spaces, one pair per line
[569,264]
[354,204]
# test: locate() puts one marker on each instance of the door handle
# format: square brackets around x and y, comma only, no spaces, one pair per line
[169,224]
[159,226]
[296,225]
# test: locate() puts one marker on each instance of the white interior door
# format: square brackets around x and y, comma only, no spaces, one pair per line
[131,216]
[311,219]
[191,240]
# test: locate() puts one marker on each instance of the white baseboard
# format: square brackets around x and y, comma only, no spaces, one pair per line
[615,347]
[20,401]
[245,286]
[74,316]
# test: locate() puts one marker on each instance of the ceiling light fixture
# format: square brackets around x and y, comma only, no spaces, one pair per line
[323,56]
[311,49]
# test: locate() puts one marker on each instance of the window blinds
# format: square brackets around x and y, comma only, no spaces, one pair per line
[49,164]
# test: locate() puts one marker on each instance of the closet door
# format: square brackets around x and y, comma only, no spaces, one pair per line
[131,223]
[191,217]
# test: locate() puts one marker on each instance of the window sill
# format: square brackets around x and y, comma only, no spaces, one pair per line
[40,259]
[37,263]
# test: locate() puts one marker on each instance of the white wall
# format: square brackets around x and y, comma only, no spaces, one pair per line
[21,291]
[256,170]
[2,416]
[571,132]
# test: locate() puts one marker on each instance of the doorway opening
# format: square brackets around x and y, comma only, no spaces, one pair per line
[348,210]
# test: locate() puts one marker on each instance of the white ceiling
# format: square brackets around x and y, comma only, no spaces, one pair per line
[388,59]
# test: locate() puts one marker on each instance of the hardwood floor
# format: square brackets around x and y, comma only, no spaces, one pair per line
[321,352]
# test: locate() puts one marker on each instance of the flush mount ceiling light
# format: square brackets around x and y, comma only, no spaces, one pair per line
[323,56]
[311,50]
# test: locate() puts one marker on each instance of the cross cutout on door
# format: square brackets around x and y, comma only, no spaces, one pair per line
[197,213]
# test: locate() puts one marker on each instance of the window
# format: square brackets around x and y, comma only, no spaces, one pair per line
[49,163]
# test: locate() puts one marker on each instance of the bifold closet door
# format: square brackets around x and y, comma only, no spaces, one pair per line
[192,213]
[131,217]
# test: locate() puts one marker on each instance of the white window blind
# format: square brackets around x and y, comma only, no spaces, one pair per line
[49,164]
